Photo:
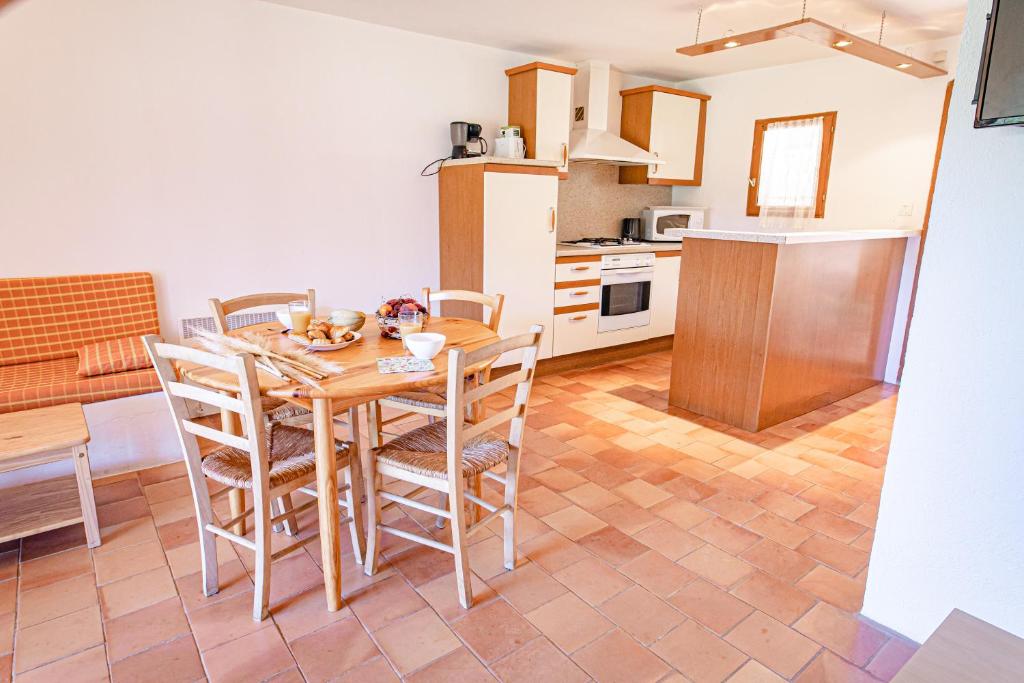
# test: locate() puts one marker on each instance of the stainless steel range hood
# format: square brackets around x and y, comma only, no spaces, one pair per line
[590,141]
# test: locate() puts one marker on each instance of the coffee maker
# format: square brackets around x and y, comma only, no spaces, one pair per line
[630,229]
[462,135]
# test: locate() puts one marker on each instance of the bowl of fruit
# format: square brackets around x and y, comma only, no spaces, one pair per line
[387,315]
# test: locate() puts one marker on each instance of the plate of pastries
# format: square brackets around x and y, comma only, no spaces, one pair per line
[321,335]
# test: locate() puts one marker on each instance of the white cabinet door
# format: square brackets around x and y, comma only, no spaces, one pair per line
[554,109]
[675,123]
[664,295]
[574,332]
[519,250]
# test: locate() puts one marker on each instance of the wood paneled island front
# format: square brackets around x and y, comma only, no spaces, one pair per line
[770,326]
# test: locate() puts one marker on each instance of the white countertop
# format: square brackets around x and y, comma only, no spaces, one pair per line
[501,160]
[805,237]
[644,247]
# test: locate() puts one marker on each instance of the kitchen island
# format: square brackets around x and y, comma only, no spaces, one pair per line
[770,326]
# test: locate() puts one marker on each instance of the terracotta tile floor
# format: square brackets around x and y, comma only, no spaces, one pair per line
[655,545]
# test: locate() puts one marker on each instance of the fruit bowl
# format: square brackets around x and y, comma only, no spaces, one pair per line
[387,315]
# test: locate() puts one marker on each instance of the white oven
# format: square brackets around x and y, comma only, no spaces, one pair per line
[625,291]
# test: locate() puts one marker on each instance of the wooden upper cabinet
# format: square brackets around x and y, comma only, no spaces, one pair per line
[669,123]
[540,102]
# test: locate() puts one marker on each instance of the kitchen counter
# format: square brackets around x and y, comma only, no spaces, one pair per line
[645,247]
[770,330]
[468,161]
[805,237]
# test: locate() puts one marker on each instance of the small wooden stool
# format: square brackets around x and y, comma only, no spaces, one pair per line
[37,437]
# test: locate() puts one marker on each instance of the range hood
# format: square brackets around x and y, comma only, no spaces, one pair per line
[590,141]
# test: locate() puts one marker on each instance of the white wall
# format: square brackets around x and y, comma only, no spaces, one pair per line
[951,525]
[884,144]
[229,146]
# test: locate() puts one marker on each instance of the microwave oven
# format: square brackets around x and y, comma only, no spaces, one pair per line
[670,223]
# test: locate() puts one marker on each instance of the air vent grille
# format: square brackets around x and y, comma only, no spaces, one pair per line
[235,320]
[578,115]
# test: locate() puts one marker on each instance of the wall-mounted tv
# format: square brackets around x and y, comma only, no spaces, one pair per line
[1000,90]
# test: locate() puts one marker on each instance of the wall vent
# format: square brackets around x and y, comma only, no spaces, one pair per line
[235,320]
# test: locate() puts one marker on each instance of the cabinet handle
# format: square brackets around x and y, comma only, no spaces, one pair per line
[577,318]
[584,293]
[579,269]
[565,154]
[654,167]
[554,218]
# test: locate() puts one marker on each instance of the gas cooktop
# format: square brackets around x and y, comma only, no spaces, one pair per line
[601,242]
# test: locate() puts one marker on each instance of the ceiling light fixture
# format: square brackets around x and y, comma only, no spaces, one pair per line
[823,34]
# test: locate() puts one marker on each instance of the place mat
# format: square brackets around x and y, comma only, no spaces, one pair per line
[390,366]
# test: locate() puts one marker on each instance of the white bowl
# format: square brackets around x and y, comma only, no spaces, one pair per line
[425,345]
[284,317]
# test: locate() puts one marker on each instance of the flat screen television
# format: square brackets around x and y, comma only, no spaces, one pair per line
[1000,90]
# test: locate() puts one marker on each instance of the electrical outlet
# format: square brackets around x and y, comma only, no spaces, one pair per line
[906,210]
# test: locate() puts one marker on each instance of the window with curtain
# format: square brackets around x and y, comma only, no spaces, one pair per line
[789,168]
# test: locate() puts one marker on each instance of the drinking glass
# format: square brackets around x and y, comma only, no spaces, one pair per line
[409,323]
[300,315]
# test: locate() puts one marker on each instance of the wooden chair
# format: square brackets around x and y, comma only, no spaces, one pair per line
[271,460]
[432,404]
[440,456]
[222,309]
[275,410]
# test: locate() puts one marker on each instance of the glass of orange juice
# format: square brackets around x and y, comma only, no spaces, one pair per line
[300,315]
[409,323]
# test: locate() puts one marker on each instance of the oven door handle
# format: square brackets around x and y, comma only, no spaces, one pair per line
[627,277]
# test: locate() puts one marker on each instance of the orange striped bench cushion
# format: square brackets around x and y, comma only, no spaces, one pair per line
[113,355]
[43,318]
[52,382]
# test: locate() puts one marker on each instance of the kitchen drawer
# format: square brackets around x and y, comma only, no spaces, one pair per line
[574,296]
[580,270]
[574,332]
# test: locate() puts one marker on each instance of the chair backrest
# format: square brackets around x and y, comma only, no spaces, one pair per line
[222,309]
[492,302]
[458,397]
[246,405]
[45,318]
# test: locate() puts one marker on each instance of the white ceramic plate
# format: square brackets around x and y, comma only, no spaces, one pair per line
[334,347]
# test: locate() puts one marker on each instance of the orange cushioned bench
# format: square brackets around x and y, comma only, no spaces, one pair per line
[45,321]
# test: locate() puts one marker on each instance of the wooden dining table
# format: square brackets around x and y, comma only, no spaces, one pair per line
[358,383]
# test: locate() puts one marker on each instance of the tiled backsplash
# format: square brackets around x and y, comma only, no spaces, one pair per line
[591,203]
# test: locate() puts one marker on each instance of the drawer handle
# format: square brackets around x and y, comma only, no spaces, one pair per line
[579,269]
[577,318]
[583,293]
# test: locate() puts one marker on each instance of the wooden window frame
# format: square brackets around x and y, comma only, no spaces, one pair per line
[827,138]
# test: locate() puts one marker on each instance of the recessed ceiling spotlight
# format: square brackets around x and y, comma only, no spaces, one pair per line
[732,43]
[904,65]
[842,43]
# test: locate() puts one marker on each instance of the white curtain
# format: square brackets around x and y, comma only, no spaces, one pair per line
[788,183]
